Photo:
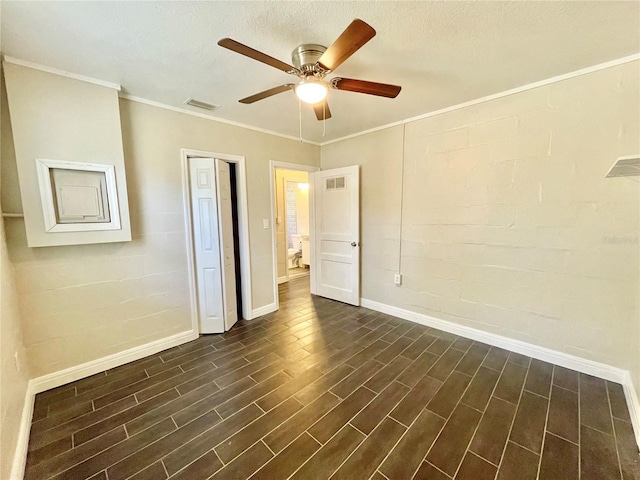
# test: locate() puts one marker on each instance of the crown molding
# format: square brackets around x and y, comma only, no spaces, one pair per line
[523,88]
[506,93]
[62,73]
[164,106]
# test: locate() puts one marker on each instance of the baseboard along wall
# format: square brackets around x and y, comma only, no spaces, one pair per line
[572,362]
[260,311]
[56,379]
[62,377]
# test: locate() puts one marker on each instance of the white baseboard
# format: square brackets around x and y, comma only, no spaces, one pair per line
[62,377]
[583,365]
[633,404]
[57,379]
[258,312]
[282,280]
[22,445]
[572,362]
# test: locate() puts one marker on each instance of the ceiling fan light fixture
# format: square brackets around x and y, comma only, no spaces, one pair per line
[311,63]
[311,91]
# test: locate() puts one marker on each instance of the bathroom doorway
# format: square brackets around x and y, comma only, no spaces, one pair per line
[296,225]
[291,188]
[292,221]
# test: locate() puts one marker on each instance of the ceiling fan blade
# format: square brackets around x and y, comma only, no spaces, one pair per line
[362,86]
[322,110]
[355,36]
[255,54]
[267,93]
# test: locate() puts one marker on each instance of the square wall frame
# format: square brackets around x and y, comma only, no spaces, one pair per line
[48,196]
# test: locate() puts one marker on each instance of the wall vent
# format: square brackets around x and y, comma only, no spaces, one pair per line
[199,104]
[628,166]
[335,183]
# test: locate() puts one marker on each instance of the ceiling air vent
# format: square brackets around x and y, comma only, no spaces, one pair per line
[199,104]
[628,166]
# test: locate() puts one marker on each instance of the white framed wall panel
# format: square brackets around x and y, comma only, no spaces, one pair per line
[74,122]
[51,204]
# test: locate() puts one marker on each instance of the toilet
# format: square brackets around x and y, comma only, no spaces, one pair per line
[305,260]
[293,254]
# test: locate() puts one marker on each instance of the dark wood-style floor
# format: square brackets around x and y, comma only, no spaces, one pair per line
[323,390]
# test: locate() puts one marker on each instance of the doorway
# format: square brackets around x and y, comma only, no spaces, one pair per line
[292,221]
[296,225]
[216,223]
[292,224]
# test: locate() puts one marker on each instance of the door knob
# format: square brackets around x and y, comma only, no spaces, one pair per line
[354,244]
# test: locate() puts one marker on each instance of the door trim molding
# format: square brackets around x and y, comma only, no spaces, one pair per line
[273,165]
[243,229]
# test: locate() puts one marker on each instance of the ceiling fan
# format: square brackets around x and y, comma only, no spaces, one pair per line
[312,63]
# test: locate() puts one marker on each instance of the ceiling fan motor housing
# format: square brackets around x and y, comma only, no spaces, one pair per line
[305,56]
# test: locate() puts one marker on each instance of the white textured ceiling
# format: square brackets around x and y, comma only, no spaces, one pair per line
[441,53]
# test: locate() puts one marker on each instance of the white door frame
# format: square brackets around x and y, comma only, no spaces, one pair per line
[273,165]
[243,230]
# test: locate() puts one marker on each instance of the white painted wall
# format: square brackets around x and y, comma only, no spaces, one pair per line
[81,303]
[13,381]
[508,224]
[302,210]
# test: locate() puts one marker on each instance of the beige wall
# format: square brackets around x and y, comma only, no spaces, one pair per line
[281,241]
[378,155]
[508,224]
[302,210]
[14,376]
[67,120]
[85,302]
[635,368]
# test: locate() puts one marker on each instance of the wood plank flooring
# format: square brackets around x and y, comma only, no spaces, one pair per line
[324,390]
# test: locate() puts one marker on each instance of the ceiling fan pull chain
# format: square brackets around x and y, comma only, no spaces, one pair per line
[300,117]
[324,119]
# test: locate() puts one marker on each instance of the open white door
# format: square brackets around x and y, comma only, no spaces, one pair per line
[228,267]
[206,245]
[336,196]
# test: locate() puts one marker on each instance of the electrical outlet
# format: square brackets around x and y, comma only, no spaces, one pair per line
[397,279]
[265,223]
